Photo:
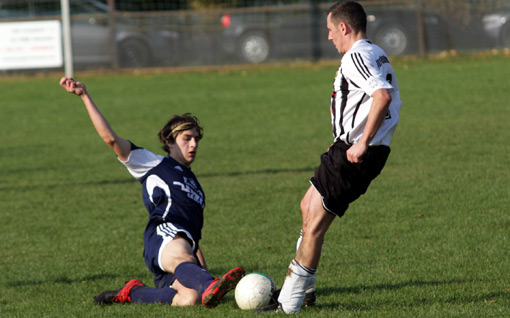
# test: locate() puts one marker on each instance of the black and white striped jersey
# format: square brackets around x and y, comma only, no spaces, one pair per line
[365,68]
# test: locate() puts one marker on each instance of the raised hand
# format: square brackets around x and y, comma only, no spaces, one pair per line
[72,86]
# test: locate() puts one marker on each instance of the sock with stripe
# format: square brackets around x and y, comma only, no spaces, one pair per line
[298,280]
[298,244]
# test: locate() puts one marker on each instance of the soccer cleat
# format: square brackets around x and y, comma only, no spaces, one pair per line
[118,295]
[275,306]
[310,298]
[272,307]
[274,297]
[219,287]
[309,301]
[106,297]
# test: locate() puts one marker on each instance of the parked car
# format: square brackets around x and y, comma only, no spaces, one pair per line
[497,27]
[92,36]
[266,29]
[396,31]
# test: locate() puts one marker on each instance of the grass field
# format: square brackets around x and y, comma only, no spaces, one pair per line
[430,238]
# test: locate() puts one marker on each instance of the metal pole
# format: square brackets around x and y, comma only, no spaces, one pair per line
[111,22]
[315,32]
[422,34]
[66,37]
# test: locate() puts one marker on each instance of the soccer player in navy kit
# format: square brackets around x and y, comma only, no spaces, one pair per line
[365,107]
[175,202]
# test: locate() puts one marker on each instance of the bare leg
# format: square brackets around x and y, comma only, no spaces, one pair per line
[316,222]
[185,296]
[301,275]
[174,253]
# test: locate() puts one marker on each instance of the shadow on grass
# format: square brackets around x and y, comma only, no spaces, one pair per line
[254,172]
[61,280]
[422,299]
[45,187]
[68,281]
[388,286]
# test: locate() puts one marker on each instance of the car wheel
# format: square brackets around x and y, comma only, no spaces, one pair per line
[392,39]
[254,47]
[133,53]
[505,35]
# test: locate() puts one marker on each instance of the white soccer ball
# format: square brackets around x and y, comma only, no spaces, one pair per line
[254,291]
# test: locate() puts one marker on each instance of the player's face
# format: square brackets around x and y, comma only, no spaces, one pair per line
[336,35]
[184,150]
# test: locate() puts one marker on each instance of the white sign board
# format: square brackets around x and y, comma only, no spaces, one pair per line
[27,45]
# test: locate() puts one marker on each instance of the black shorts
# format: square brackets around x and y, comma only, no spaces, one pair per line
[340,182]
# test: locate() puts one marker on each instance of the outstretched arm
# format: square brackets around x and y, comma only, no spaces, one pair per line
[120,146]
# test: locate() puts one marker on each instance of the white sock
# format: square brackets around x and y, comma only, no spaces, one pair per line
[298,244]
[298,280]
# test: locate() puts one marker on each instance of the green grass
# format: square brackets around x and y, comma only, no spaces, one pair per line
[430,238]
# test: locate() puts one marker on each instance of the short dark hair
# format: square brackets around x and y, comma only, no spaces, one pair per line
[350,13]
[175,126]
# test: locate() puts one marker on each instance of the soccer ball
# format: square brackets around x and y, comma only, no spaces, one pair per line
[254,291]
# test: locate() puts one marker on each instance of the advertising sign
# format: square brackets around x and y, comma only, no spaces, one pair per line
[30,45]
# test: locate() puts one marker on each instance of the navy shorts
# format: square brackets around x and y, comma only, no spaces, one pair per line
[340,182]
[156,237]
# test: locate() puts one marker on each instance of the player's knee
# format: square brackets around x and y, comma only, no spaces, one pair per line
[190,298]
[305,204]
[187,298]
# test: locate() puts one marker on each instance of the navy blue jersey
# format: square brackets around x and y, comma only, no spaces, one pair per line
[171,192]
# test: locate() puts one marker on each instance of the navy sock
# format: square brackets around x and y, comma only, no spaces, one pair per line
[149,295]
[193,276]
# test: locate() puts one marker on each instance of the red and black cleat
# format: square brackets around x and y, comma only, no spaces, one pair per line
[117,295]
[219,287]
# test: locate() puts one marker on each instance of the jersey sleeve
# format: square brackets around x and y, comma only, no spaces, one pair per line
[140,161]
[363,72]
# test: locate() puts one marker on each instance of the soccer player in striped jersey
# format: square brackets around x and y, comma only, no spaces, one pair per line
[365,107]
[175,201]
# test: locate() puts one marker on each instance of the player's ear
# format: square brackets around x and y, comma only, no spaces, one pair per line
[343,27]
